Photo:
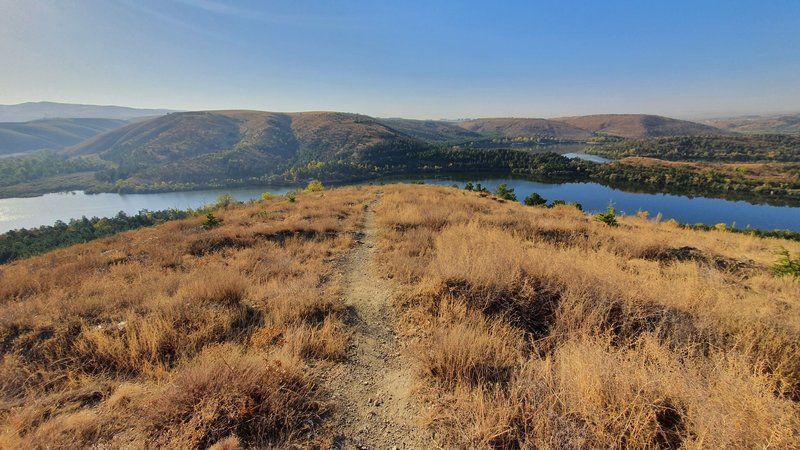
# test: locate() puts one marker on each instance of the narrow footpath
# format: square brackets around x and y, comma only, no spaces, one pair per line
[373,391]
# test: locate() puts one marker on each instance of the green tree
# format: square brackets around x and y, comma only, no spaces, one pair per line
[211,222]
[609,217]
[535,200]
[505,192]
[786,265]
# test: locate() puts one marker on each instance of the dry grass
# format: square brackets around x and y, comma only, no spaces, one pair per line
[541,328]
[528,327]
[180,337]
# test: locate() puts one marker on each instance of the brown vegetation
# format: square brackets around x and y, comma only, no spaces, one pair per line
[180,337]
[527,328]
[522,127]
[541,328]
[636,126]
[737,172]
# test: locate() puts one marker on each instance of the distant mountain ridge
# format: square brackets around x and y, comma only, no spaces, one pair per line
[25,112]
[51,134]
[525,127]
[770,124]
[196,146]
[638,126]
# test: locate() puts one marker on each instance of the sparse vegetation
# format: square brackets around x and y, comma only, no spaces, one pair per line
[526,328]
[786,265]
[642,335]
[315,186]
[23,243]
[609,217]
[180,337]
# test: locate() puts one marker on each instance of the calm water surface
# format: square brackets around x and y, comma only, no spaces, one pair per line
[45,210]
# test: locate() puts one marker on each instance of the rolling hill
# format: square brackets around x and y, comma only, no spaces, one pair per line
[637,126]
[218,144]
[190,150]
[434,131]
[51,134]
[778,124]
[522,127]
[25,112]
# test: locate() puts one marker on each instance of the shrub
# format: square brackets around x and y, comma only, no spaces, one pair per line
[505,192]
[290,196]
[469,186]
[609,217]
[315,186]
[211,222]
[558,203]
[474,352]
[266,196]
[225,200]
[225,392]
[786,265]
[535,200]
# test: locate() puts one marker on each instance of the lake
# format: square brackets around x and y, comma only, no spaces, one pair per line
[45,210]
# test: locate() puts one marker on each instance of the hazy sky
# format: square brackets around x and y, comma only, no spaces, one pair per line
[422,59]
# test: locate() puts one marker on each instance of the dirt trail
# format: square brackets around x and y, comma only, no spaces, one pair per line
[373,391]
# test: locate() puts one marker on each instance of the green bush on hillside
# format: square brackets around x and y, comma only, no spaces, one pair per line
[505,192]
[786,265]
[535,200]
[211,221]
[609,217]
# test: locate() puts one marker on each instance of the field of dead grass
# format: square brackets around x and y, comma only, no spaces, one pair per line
[528,328]
[177,336]
[543,328]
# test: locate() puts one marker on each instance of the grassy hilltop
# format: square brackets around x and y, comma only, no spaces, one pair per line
[402,315]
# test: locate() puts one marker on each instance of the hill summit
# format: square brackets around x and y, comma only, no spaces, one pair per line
[401,315]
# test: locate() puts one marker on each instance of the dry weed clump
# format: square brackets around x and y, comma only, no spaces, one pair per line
[540,328]
[225,392]
[177,336]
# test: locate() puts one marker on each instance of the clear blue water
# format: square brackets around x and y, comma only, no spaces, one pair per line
[596,197]
[45,210]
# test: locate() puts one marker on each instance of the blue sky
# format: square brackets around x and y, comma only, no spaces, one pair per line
[418,59]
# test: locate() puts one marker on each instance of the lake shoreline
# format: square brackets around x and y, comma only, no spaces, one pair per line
[27,212]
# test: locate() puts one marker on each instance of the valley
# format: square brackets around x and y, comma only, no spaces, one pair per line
[226,149]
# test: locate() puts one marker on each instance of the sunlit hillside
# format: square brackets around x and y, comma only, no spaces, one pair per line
[402,315]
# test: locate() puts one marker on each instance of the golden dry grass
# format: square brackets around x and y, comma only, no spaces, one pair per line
[180,337]
[542,328]
[527,327]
